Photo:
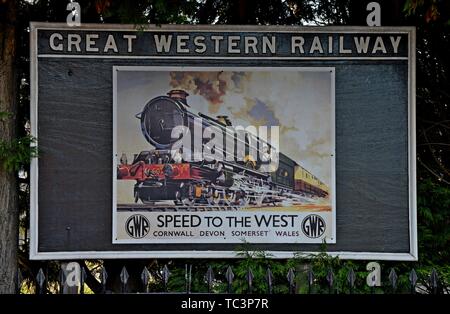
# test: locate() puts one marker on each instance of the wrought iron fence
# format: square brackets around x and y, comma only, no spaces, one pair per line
[42,285]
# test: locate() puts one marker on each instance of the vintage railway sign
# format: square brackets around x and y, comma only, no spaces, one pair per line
[255,161]
[200,141]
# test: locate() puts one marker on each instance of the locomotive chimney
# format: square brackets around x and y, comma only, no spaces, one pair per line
[178,94]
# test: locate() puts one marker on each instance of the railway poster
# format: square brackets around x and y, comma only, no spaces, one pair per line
[224,155]
[201,141]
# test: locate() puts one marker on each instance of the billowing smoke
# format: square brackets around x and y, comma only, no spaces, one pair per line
[211,85]
[260,113]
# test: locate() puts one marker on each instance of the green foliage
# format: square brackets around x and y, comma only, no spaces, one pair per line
[411,6]
[434,217]
[5,115]
[433,214]
[323,265]
[259,262]
[430,10]
[149,11]
[17,153]
[320,264]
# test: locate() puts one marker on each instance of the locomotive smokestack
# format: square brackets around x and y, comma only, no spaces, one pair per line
[178,94]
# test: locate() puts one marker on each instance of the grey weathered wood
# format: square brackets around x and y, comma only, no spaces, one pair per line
[371,163]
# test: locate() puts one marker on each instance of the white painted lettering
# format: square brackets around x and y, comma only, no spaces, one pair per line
[56,47]
[90,42]
[233,43]
[379,45]
[341,46]
[163,42]
[268,44]
[199,42]
[182,43]
[110,44]
[129,39]
[216,40]
[395,43]
[297,42]
[316,45]
[73,40]
[250,43]
[362,44]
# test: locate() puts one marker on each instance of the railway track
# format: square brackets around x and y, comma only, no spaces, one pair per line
[220,207]
[175,208]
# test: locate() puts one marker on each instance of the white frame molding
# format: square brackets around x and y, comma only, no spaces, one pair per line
[412,255]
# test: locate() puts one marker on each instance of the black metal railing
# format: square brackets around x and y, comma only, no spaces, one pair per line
[291,280]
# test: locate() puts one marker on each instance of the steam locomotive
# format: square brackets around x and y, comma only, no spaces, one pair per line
[163,174]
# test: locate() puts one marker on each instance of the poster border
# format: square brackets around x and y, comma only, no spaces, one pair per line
[412,255]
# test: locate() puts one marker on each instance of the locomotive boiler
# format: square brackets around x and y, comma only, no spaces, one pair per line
[164,173]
